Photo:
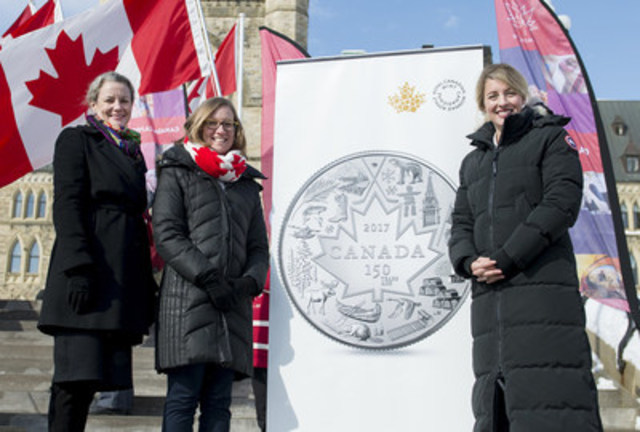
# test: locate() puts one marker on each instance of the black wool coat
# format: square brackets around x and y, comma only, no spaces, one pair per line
[199,226]
[515,204]
[99,199]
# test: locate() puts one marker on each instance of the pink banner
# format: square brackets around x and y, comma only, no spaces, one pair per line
[533,40]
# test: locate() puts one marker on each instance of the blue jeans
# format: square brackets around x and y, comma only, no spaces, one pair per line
[204,384]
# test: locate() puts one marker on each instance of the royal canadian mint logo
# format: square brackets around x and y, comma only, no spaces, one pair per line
[363,251]
[449,95]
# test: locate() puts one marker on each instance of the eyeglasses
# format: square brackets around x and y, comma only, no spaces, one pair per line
[226,125]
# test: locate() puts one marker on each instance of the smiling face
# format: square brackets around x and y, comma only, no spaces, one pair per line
[113,104]
[219,130]
[500,101]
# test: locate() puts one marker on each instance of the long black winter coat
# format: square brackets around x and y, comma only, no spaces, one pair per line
[515,204]
[199,225]
[99,199]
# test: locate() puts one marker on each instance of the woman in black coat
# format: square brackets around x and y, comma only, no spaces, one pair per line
[99,296]
[209,229]
[520,192]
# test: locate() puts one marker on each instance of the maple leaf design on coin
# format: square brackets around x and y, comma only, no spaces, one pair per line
[363,252]
[65,95]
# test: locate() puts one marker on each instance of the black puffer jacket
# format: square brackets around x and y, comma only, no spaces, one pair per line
[199,226]
[515,204]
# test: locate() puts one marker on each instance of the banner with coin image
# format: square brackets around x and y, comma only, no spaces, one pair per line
[369,327]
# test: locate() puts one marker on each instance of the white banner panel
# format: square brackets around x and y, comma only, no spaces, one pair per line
[369,328]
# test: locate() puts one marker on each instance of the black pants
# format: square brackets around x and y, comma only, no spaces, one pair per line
[259,384]
[69,405]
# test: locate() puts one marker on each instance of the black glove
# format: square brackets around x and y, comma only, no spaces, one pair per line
[79,293]
[246,286]
[220,292]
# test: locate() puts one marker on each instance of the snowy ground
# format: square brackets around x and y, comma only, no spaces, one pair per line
[610,325]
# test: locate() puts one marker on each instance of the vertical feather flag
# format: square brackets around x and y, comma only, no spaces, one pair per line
[533,40]
[158,45]
[274,47]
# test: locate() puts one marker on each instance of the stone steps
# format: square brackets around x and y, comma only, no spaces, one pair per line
[618,409]
[26,367]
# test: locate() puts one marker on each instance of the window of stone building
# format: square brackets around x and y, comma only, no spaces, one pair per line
[625,216]
[634,269]
[42,205]
[16,258]
[31,203]
[619,126]
[17,205]
[632,164]
[34,259]
[636,217]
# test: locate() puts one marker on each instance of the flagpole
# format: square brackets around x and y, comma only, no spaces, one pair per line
[240,62]
[214,72]
[57,14]
[186,99]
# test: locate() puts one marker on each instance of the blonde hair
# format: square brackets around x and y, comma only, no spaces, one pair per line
[194,126]
[94,88]
[505,73]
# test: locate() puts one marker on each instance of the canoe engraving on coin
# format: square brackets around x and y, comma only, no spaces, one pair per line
[363,250]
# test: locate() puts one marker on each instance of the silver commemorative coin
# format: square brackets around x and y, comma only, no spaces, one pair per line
[363,251]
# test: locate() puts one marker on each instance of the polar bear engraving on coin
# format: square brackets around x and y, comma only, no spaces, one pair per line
[362,251]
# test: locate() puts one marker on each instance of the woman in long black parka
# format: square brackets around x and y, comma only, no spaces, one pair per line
[520,192]
[99,296]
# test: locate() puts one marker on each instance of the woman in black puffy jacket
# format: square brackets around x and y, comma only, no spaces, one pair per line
[520,192]
[210,231]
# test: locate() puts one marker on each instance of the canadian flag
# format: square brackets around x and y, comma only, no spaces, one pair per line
[27,13]
[30,20]
[41,18]
[44,75]
[225,61]
[198,91]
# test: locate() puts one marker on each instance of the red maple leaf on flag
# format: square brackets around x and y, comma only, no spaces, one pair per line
[65,95]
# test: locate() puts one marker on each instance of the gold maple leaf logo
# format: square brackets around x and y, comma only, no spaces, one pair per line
[407,100]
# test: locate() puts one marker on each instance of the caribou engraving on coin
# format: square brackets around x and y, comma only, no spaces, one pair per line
[363,250]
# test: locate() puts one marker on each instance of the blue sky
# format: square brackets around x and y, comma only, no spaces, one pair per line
[607,34]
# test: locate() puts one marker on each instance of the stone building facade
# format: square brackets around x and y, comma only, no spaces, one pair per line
[621,122]
[289,17]
[26,234]
[26,225]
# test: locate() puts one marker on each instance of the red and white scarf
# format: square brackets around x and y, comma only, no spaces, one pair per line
[228,167]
